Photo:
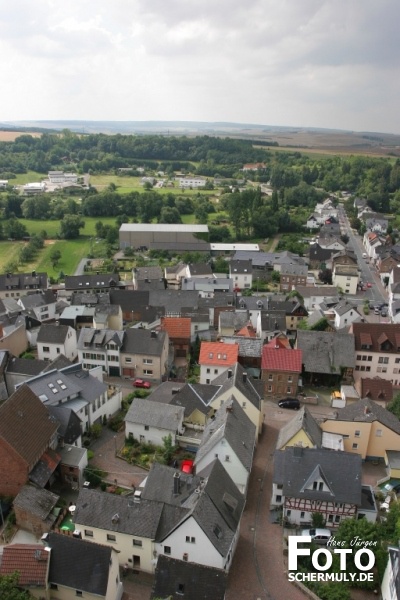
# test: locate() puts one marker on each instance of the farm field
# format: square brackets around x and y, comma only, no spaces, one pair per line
[52,227]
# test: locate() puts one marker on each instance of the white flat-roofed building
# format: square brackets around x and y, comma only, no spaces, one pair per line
[231,248]
[191,182]
[34,188]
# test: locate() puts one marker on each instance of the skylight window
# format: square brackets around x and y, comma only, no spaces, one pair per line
[54,390]
[51,385]
[59,381]
[63,386]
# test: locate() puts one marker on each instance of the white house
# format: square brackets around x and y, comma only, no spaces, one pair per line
[229,436]
[101,348]
[345,314]
[191,182]
[42,305]
[148,422]
[241,272]
[215,358]
[53,340]
[346,277]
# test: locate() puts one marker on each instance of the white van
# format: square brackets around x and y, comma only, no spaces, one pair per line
[319,536]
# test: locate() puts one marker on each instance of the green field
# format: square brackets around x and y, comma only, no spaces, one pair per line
[125,185]
[52,227]
[29,177]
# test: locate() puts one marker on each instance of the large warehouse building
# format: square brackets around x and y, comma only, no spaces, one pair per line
[160,236]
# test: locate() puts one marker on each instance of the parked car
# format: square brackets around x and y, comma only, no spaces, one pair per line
[292,403]
[319,536]
[140,383]
[369,284]
[384,312]
[377,310]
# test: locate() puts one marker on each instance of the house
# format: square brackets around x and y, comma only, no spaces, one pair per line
[317,295]
[19,370]
[230,437]
[319,257]
[144,354]
[346,277]
[144,278]
[72,466]
[377,347]
[390,586]
[241,272]
[191,182]
[254,167]
[31,562]
[313,222]
[292,276]
[179,334]
[35,509]
[231,322]
[199,270]
[215,305]
[28,435]
[15,285]
[270,323]
[53,340]
[201,516]
[247,391]
[309,480]
[375,222]
[303,430]
[208,286]
[294,310]
[101,282]
[375,388]
[215,358]
[101,348]
[330,242]
[250,349]
[327,357]
[81,568]
[148,424]
[281,368]
[127,523]
[345,314]
[180,580]
[42,305]
[174,275]
[371,243]
[368,429]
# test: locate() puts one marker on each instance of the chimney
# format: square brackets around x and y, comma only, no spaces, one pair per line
[245,377]
[153,334]
[229,373]
[367,410]
[177,483]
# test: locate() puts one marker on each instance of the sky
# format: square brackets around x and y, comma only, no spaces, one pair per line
[303,63]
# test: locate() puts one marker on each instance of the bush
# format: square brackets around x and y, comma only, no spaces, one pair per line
[90,454]
[115,423]
[140,394]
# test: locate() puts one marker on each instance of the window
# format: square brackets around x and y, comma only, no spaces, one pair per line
[384,360]
[288,512]
[244,404]
[270,388]
[147,361]
[88,533]
[180,589]
[111,537]
[302,514]
[46,349]
[190,540]
[146,428]
[379,433]
[79,593]
[208,370]
[270,377]
[58,350]
[128,359]
[278,498]
[355,446]
[337,519]
[137,543]
[215,371]
[147,372]
[227,458]
[290,379]
[167,549]
[357,433]
[217,532]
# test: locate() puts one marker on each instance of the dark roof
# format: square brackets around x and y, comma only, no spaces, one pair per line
[174,300]
[58,363]
[143,411]
[303,420]
[196,269]
[195,396]
[143,341]
[231,423]
[26,366]
[160,485]
[296,468]
[316,252]
[129,299]
[44,468]
[26,425]
[70,424]
[140,519]
[79,564]
[180,580]
[36,501]
[143,273]
[21,280]
[101,281]
[236,377]
[326,352]
[367,411]
[52,334]
[240,266]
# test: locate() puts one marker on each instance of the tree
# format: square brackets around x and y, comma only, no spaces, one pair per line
[9,589]
[70,227]
[325,276]
[168,449]
[55,256]
[394,406]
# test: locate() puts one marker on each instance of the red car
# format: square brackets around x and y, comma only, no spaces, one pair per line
[187,466]
[369,284]
[140,383]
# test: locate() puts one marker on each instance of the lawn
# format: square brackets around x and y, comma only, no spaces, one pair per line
[29,177]
[52,227]
[72,251]
[132,184]
[8,252]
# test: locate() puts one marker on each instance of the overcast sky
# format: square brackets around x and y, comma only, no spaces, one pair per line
[317,63]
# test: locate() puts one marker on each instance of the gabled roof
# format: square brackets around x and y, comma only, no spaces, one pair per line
[303,420]
[277,357]
[181,580]
[101,281]
[29,560]
[35,501]
[374,331]
[250,347]
[294,468]
[344,307]
[130,299]
[111,512]
[26,425]
[233,319]
[176,327]
[52,334]
[195,396]
[237,378]
[26,366]
[231,423]
[145,412]
[376,389]
[143,341]
[326,352]
[218,354]
[99,338]
[367,411]
[200,269]
[79,564]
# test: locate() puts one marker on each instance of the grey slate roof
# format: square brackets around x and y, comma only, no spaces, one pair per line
[38,502]
[302,420]
[160,485]
[79,564]
[70,424]
[325,352]
[195,396]
[367,411]
[145,412]
[248,388]
[231,423]
[52,334]
[248,347]
[98,509]
[26,366]
[129,299]
[233,319]
[99,338]
[143,341]
[180,580]
[273,320]
[143,273]
[34,300]
[295,468]
[173,300]
[343,307]
[299,270]
[101,281]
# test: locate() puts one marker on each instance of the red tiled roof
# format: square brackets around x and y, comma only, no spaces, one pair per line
[276,357]
[176,327]
[247,331]
[30,560]
[377,389]
[378,337]
[218,353]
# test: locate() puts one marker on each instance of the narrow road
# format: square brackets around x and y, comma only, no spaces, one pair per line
[258,568]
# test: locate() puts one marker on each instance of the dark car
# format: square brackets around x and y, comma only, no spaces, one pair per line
[140,383]
[292,403]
